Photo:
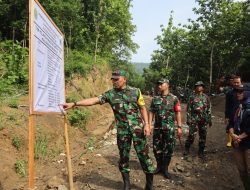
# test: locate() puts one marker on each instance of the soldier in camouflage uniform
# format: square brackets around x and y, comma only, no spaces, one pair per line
[131,118]
[164,109]
[198,117]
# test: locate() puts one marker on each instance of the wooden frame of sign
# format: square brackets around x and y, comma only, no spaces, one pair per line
[46,76]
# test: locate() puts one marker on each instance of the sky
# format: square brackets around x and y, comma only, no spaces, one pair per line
[148,15]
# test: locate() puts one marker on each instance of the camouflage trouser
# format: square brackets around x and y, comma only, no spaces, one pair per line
[141,147]
[202,129]
[163,143]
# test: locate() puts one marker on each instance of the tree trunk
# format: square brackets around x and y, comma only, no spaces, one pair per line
[211,68]
[187,78]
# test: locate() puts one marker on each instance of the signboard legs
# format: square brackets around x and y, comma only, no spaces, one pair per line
[31,152]
[71,187]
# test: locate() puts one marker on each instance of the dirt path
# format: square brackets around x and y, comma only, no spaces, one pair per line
[95,164]
[218,172]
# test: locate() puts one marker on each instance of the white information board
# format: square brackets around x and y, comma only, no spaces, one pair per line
[47,65]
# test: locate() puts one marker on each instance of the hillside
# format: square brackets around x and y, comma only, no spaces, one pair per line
[49,133]
[140,66]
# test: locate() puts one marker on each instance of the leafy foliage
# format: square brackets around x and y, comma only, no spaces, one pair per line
[205,48]
[14,67]
[94,30]
[77,63]
[13,103]
[17,143]
[78,118]
[20,167]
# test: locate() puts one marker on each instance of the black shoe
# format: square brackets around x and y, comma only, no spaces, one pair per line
[201,154]
[165,164]
[149,181]
[186,152]
[126,181]
[166,174]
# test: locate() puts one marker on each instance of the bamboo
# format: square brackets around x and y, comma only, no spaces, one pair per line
[31,152]
[68,154]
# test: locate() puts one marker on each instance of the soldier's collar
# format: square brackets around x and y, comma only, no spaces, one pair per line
[120,90]
[164,95]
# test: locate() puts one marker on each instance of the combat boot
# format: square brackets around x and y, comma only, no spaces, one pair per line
[159,166]
[201,153]
[126,181]
[186,151]
[165,164]
[246,181]
[149,181]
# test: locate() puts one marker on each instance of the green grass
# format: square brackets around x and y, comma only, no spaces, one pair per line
[17,143]
[41,147]
[13,103]
[78,118]
[20,168]
[90,145]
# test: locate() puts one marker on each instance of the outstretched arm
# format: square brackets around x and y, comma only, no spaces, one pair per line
[84,102]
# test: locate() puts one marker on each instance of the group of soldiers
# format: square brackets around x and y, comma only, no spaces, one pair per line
[134,123]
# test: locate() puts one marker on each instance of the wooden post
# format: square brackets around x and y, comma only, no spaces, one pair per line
[71,186]
[31,152]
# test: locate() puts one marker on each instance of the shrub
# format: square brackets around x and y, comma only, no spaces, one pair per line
[20,168]
[90,145]
[13,103]
[78,63]
[17,143]
[71,98]
[11,117]
[78,118]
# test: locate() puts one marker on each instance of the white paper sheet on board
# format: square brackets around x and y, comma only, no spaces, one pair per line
[48,64]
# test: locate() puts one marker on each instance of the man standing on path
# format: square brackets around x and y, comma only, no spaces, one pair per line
[240,131]
[198,117]
[164,109]
[131,118]
[231,104]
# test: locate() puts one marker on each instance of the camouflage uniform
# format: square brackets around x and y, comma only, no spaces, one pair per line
[125,104]
[198,117]
[164,108]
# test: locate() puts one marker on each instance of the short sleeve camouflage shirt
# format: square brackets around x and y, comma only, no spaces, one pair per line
[126,107]
[164,108]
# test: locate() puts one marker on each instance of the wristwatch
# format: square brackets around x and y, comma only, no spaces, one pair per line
[75,103]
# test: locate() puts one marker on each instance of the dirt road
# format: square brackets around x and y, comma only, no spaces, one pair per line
[95,161]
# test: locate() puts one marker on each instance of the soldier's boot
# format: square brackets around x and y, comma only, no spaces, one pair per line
[186,151]
[126,181]
[229,140]
[246,181]
[165,165]
[159,166]
[201,153]
[149,181]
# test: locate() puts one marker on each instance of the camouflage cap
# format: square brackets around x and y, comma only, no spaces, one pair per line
[199,83]
[163,80]
[118,73]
